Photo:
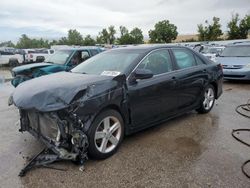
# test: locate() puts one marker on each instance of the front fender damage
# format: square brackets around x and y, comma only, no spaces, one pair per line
[69,141]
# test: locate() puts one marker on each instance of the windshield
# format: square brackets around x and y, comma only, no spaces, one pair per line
[236,51]
[111,63]
[59,57]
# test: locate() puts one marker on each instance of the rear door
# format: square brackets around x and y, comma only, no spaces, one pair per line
[153,99]
[192,77]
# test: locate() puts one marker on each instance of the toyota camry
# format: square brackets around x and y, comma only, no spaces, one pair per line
[90,109]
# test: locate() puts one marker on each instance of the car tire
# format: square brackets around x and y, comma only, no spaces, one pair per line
[208,100]
[13,63]
[105,134]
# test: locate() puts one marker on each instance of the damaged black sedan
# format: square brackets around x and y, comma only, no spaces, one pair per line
[89,110]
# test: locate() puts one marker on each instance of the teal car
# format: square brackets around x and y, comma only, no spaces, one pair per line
[61,60]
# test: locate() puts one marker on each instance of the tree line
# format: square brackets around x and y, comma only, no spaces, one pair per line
[163,32]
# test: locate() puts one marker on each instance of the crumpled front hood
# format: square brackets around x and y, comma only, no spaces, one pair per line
[53,92]
[30,66]
[53,68]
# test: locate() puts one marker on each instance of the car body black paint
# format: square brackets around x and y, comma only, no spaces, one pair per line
[142,103]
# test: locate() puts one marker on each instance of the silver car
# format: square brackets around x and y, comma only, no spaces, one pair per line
[235,60]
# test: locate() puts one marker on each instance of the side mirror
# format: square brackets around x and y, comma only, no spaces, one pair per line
[143,74]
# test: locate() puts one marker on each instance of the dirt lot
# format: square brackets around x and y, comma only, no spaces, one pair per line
[190,151]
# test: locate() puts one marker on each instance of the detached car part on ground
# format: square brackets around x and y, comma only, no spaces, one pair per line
[61,60]
[89,110]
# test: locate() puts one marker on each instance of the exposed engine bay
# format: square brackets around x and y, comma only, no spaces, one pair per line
[63,137]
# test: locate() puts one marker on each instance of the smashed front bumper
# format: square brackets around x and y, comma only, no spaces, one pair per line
[61,133]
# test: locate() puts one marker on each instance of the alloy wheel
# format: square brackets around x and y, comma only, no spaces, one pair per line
[209,98]
[108,134]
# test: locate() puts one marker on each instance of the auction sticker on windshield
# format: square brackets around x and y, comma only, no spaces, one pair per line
[110,73]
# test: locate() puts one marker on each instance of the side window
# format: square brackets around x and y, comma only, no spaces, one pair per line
[199,61]
[158,62]
[184,58]
[76,59]
[84,55]
[94,52]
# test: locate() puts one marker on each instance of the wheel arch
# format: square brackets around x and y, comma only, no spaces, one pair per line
[215,85]
[119,110]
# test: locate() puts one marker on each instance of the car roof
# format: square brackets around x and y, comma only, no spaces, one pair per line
[147,47]
[81,48]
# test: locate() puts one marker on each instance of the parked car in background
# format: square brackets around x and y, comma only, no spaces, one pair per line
[38,55]
[235,60]
[28,55]
[11,59]
[211,52]
[61,60]
[115,93]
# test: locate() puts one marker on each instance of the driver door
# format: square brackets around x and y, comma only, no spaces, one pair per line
[153,99]
[78,57]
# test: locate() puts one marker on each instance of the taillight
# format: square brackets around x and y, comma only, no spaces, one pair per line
[31,56]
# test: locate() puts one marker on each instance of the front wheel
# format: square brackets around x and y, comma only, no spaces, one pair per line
[208,100]
[105,134]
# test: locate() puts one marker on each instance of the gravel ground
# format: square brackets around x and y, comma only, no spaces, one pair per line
[190,151]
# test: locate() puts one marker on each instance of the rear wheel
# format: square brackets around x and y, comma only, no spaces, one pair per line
[105,134]
[208,99]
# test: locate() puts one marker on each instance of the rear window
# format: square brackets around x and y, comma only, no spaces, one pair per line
[184,58]
[236,51]
[41,52]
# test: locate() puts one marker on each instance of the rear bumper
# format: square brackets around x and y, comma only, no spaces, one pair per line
[236,74]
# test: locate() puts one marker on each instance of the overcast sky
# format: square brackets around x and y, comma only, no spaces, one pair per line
[53,18]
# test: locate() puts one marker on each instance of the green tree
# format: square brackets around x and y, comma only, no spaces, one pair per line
[106,36]
[24,42]
[53,42]
[89,41]
[210,31]
[163,32]
[7,44]
[112,33]
[63,41]
[244,27]
[123,30]
[74,37]
[125,37]
[133,37]
[103,37]
[137,36]
[233,26]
